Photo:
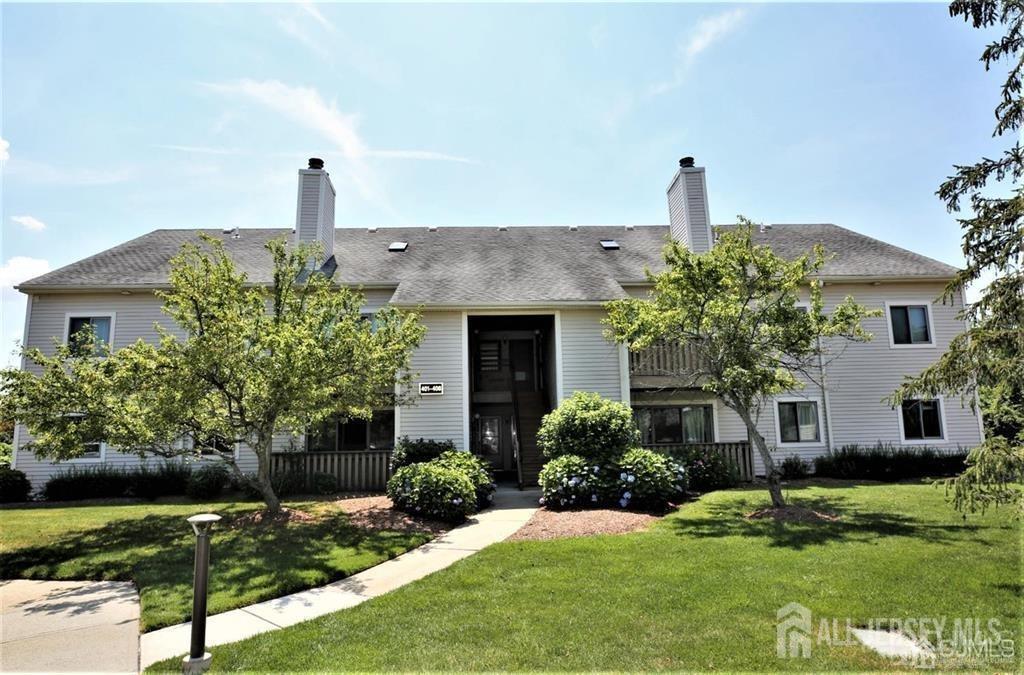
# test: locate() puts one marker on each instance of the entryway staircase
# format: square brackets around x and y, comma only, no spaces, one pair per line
[533,406]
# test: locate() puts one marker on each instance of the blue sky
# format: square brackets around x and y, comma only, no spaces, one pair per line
[120,119]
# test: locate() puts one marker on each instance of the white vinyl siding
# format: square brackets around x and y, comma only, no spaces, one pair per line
[439,358]
[589,361]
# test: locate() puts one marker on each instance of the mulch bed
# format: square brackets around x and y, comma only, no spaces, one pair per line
[367,512]
[549,524]
[794,514]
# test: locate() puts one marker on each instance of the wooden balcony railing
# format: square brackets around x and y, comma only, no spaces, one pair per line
[664,359]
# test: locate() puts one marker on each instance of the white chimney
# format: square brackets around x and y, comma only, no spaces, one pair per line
[314,215]
[688,217]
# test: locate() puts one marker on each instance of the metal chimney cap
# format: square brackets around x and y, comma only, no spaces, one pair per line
[316,163]
[686,163]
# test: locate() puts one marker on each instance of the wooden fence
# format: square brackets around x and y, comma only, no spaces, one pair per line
[738,453]
[366,471]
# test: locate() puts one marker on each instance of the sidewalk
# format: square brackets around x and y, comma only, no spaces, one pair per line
[512,508]
[69,626]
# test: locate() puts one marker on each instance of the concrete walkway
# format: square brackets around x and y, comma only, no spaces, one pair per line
[512,508]
[68,626]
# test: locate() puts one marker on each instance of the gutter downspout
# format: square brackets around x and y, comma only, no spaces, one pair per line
[825,402]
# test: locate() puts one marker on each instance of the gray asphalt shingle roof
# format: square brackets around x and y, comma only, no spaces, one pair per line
[483,265]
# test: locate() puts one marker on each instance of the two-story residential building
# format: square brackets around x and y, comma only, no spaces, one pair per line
[514,325]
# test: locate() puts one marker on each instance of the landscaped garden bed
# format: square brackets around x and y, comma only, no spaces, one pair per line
[151,544]
[553,524]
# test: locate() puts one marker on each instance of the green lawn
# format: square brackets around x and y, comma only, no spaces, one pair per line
[152,545]
[699,591]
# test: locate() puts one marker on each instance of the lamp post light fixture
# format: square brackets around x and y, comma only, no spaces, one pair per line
[198,658]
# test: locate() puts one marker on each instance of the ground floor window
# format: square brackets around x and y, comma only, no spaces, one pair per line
[214,446]
[922,420]
[661,425]
[798,422]
[354,434]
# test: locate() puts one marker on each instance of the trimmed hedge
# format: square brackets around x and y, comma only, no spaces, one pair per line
[476,469]
[93,482]
[170,478]
[145,482]
[433,490]
[408,451]
[590,426]
[14,485]
[889,463]
[207,481]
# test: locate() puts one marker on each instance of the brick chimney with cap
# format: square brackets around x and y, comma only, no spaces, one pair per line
[314,215]
[689,221]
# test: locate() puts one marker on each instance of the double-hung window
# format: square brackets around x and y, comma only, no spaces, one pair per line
[799,421]
[922,420]
[910,325]
[661,425]
[101,326]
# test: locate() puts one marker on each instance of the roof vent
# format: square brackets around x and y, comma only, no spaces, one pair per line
[316,163]
[502,228]
[371,229]
[764,228]
[630,228]
[432,228]
[398,246]
[686,163]
[233,231]
[609,245]
[573,228]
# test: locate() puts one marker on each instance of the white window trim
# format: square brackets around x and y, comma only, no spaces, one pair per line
[90,314]
[803,303]
[928,315]
[682,404]
[779,443]
[924,441]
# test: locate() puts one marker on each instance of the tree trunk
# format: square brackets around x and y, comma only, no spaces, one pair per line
[771,472]
[263,449]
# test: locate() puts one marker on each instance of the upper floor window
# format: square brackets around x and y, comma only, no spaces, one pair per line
[910,325]
[101,327]
[922,420]
[798,421]
[661,425]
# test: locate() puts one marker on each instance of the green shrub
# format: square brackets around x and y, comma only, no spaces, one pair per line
[169,478]
[6,454]
[889,463]
[647,479]
[94,482]
[207,481]
[323,483]
[14,485]
[476,469]
[572,481]
[432,490]
[706,468]
[794,467]
[587,425]
[285,483]
[408,451]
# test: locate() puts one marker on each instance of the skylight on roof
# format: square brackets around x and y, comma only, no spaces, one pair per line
[609,245]
[398,246]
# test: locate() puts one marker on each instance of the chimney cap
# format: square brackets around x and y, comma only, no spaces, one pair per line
[686,163]
[316,163]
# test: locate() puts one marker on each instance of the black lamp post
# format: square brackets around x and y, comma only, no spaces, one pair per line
[198,658]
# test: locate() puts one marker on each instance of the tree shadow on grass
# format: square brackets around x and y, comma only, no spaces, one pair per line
[853,525]
[248,564]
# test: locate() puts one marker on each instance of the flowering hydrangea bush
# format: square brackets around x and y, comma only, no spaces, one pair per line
[570,481]
[432,490]
[647,479]
[707,469]
[476,469]
[595,428]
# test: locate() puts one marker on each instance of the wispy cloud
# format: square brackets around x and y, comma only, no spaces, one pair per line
[708,31]
[29,223]
[4,150]
[292,27]
[599,33]
[198,149]
[314,11]
[21,268]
